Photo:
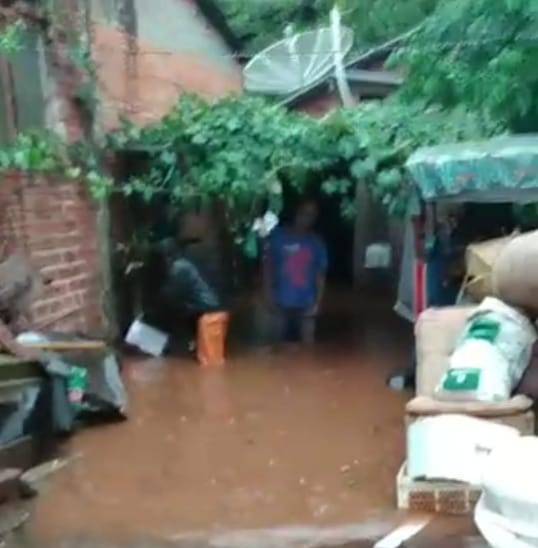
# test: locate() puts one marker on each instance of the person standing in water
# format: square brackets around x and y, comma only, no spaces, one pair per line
[295,268]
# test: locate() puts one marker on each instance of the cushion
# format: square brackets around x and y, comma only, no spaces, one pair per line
[436,332]
[425,405]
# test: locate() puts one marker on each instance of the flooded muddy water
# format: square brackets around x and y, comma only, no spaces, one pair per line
[311,437]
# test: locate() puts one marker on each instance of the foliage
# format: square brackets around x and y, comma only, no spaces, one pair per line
[376,21]
[481,54]
[240,151]
[34,151]
[12,38]
[390,132]
[44,152]
[258,23]
[233,150]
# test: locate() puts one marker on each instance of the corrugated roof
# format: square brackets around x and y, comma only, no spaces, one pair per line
[364,60]
[358,61]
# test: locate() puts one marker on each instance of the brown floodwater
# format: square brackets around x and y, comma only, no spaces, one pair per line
[310,437]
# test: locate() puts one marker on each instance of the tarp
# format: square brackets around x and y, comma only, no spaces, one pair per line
[405,304]
[104,391]
[41,406]
[504,169]
[37,407]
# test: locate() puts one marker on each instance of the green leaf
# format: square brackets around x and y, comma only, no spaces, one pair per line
[74,172]
[250,246]
[390,180]
[167,157]
[12,38]
[348,147]
[329,187]
[362,169]
[348,209]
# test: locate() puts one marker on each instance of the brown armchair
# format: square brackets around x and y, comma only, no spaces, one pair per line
[436,334]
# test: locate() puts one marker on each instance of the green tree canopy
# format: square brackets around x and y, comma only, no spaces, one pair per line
[12,38]
[478,53]
[242,150]
[259,23]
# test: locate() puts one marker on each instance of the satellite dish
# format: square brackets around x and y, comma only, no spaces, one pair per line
[294,63]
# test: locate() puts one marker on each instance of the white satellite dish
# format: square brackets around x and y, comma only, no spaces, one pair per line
[294,63]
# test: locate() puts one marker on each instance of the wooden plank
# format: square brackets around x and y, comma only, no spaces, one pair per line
[448,532]
[66,346]
[10,390]
[9,359]
[12,369]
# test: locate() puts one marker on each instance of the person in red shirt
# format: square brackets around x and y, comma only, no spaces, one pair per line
[294,271]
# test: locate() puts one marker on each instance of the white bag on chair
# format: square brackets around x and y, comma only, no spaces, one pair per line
[491,356]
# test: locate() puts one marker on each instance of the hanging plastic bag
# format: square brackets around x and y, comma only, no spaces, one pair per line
[378,256]
[491,355]
[146,338]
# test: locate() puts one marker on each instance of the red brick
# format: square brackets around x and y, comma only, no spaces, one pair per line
[55,222]
[71,256]
[81,283]
[47,259]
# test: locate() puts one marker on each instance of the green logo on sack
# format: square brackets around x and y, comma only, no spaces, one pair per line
[462,380]
[484,329]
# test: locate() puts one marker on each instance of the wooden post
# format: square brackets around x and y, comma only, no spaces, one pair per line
[362,222]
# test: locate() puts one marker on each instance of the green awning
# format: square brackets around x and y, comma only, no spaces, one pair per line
[504,169]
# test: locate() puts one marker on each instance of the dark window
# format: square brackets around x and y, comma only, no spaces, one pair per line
[5,130]
[22,99]
[28,85]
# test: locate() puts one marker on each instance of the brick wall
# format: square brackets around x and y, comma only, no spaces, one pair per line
[319,105]
[54,222]
[146,88]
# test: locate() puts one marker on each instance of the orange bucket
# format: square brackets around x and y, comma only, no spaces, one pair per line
[212,332]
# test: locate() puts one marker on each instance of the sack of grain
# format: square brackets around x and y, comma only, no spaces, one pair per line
[491,355]
[514,278]
[437,332]
[480,258]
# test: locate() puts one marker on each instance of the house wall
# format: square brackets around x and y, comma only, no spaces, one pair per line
[141,78]
[54,223]
[175,51]
[320,105]
[177,26]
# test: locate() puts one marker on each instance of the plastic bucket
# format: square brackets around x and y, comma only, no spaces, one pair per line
[212,333]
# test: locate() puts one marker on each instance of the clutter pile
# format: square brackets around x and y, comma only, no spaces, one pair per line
[49,385]
[471,426]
